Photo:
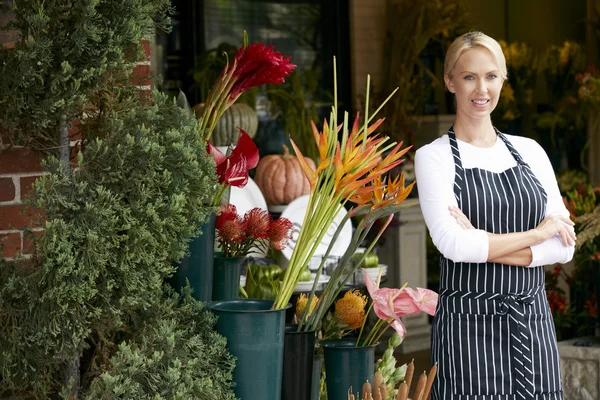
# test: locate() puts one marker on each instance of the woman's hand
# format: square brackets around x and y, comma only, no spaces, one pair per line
[557,225]
[461,218]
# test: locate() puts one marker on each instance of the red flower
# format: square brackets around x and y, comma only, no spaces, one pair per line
[257,222]
[238,236]
[257,65]
[281,233]
[229,227]
[233,170]
[227,212]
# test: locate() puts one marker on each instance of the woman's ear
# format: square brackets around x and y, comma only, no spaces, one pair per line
[449,84]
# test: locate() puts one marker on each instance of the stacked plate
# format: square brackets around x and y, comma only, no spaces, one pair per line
[373,273]
[307,285]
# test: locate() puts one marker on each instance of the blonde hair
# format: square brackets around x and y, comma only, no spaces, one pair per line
[471,40]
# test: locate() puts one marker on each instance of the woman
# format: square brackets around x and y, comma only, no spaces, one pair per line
[493,209]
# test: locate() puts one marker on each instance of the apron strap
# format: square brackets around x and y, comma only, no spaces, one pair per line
[459,172]
[520,161]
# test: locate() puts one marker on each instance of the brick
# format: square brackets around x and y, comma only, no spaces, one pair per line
[12,217]
[146,45]
[10,244]
[26,185]
[19,159]
[7,189]
[29,241]
[141,75]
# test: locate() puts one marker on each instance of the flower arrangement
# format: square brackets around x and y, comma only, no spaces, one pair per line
[349,169]
[238,236]
[253,65]
[350,314]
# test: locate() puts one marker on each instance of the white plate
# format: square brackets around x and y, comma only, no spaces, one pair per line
[295,212]
[245,199]
[373,273]
[307,286]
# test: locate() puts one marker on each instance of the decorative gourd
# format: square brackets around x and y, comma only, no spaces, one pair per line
[280,177]
[225,132]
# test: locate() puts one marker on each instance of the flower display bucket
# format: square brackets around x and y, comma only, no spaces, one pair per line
[226,277]
[255,336]
[347,366]
[197,267]
[299,350]
[316,379]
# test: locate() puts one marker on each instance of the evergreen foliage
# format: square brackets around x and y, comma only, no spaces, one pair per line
[114,228]
[67,48]
[174,357]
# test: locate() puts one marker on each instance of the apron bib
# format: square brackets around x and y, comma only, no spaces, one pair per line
[493,335]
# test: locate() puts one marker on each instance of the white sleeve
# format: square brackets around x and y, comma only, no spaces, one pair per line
[552,250]
[434,172]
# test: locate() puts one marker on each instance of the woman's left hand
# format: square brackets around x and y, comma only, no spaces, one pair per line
[461,218]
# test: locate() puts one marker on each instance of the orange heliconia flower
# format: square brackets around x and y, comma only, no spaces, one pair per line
[392,193]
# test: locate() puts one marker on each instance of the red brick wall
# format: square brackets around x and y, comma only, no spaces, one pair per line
[19,168]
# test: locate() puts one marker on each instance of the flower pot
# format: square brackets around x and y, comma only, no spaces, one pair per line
[255,336]
[316,378]
[299,349]
[226,277]
[197,267]
[347,366]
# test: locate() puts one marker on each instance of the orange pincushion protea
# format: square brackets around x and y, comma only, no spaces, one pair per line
[301,305]
[350,309]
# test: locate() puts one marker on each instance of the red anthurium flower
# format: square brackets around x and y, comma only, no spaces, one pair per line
[257,65]
[233,170]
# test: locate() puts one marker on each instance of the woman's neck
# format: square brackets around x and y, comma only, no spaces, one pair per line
[477,132]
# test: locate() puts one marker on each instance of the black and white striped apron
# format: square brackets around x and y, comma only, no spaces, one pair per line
[493,335]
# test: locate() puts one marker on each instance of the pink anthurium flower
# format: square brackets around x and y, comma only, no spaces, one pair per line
[391,304]
[233,170]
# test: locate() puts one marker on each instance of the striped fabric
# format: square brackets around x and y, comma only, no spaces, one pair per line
[493,335]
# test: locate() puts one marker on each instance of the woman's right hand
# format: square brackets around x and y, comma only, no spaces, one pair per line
[557,225]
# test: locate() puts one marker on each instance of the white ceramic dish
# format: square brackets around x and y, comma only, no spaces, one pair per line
[373,273]
[307,286]
[246,198]
[295,212]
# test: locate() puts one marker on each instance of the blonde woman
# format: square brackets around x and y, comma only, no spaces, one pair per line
[493,209]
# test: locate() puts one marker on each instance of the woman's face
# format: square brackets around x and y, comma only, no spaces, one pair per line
[476,83]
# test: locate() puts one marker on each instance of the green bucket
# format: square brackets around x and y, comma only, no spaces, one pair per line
[226,277]
[255,336]
[347,366]
[197,267]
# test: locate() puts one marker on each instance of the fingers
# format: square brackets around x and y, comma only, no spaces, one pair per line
[460,217]
[567,235]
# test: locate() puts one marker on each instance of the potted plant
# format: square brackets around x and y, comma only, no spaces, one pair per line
[237,236]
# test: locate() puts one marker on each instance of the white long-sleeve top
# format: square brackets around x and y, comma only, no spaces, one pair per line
[435,172]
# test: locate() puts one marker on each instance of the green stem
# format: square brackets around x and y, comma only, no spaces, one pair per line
[384,330]
[362,327]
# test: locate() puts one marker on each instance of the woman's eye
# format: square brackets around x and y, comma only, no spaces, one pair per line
[468,77]
[492,76]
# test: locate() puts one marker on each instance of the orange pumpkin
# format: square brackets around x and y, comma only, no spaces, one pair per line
[280,177]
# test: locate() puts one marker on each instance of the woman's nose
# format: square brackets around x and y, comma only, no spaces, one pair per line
[482,86]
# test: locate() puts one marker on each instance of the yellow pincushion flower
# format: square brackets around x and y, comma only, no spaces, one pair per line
[301,305]
[350,309]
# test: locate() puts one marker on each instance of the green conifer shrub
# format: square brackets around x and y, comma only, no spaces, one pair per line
[93,297]
[114,228]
